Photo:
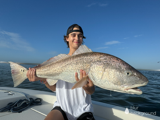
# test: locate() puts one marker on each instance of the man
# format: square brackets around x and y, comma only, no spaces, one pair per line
[71,104]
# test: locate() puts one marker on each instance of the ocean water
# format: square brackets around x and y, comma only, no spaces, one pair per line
[148,102]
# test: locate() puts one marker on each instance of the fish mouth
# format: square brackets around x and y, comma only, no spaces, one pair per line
[134,89]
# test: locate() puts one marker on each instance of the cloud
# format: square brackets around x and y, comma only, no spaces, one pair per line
[102,48]
[102,5]
[13,41]
[123,48]
[112,42]
[126,38]
[99,4]
[109,43]
[137,35]
[91,4]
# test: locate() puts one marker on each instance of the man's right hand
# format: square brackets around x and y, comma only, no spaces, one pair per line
[31,75]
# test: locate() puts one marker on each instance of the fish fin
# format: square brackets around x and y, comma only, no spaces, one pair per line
[18,73]
[51,82]
[81,82]
[82,49]
[54,59]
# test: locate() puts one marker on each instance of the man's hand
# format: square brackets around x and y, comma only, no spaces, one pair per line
[31,75]
[89,87]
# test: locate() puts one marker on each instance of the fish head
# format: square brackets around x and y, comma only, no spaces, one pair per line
[129,79]
[121,77]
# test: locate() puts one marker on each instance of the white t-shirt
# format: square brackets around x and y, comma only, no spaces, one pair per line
[73,102]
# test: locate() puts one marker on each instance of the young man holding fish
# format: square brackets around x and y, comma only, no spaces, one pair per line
[71,104]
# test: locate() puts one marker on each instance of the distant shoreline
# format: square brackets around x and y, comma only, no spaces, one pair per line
[39,63]
[21,63]
[149,69]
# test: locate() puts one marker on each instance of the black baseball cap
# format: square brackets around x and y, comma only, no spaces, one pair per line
[70,29]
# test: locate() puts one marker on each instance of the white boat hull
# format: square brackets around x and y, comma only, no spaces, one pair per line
[102,111]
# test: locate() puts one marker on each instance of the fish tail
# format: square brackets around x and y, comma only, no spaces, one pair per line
[18,73]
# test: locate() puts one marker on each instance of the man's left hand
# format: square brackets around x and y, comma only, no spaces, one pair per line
[89,87]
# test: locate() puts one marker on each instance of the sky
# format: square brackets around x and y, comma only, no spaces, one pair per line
[32,31]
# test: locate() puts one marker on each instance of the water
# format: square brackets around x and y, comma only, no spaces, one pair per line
[148,102]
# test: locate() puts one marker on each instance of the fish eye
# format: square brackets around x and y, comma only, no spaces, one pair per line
[128,73]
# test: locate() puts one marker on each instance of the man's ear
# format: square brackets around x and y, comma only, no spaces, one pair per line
[67,38]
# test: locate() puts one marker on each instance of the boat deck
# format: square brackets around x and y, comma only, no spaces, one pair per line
[38,112]
[102,111]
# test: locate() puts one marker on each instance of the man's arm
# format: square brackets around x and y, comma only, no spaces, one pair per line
[52,88]
[89,87]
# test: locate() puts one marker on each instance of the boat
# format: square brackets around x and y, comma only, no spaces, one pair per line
[102,111]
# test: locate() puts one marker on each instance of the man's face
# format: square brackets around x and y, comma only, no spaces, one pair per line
[75,39]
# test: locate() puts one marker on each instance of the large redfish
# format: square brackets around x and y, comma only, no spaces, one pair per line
[105,71]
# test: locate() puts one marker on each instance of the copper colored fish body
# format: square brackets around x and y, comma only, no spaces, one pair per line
[105,71]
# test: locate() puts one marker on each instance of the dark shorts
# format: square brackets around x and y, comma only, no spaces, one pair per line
[84,116]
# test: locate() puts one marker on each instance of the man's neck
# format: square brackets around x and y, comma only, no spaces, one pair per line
[71,51]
